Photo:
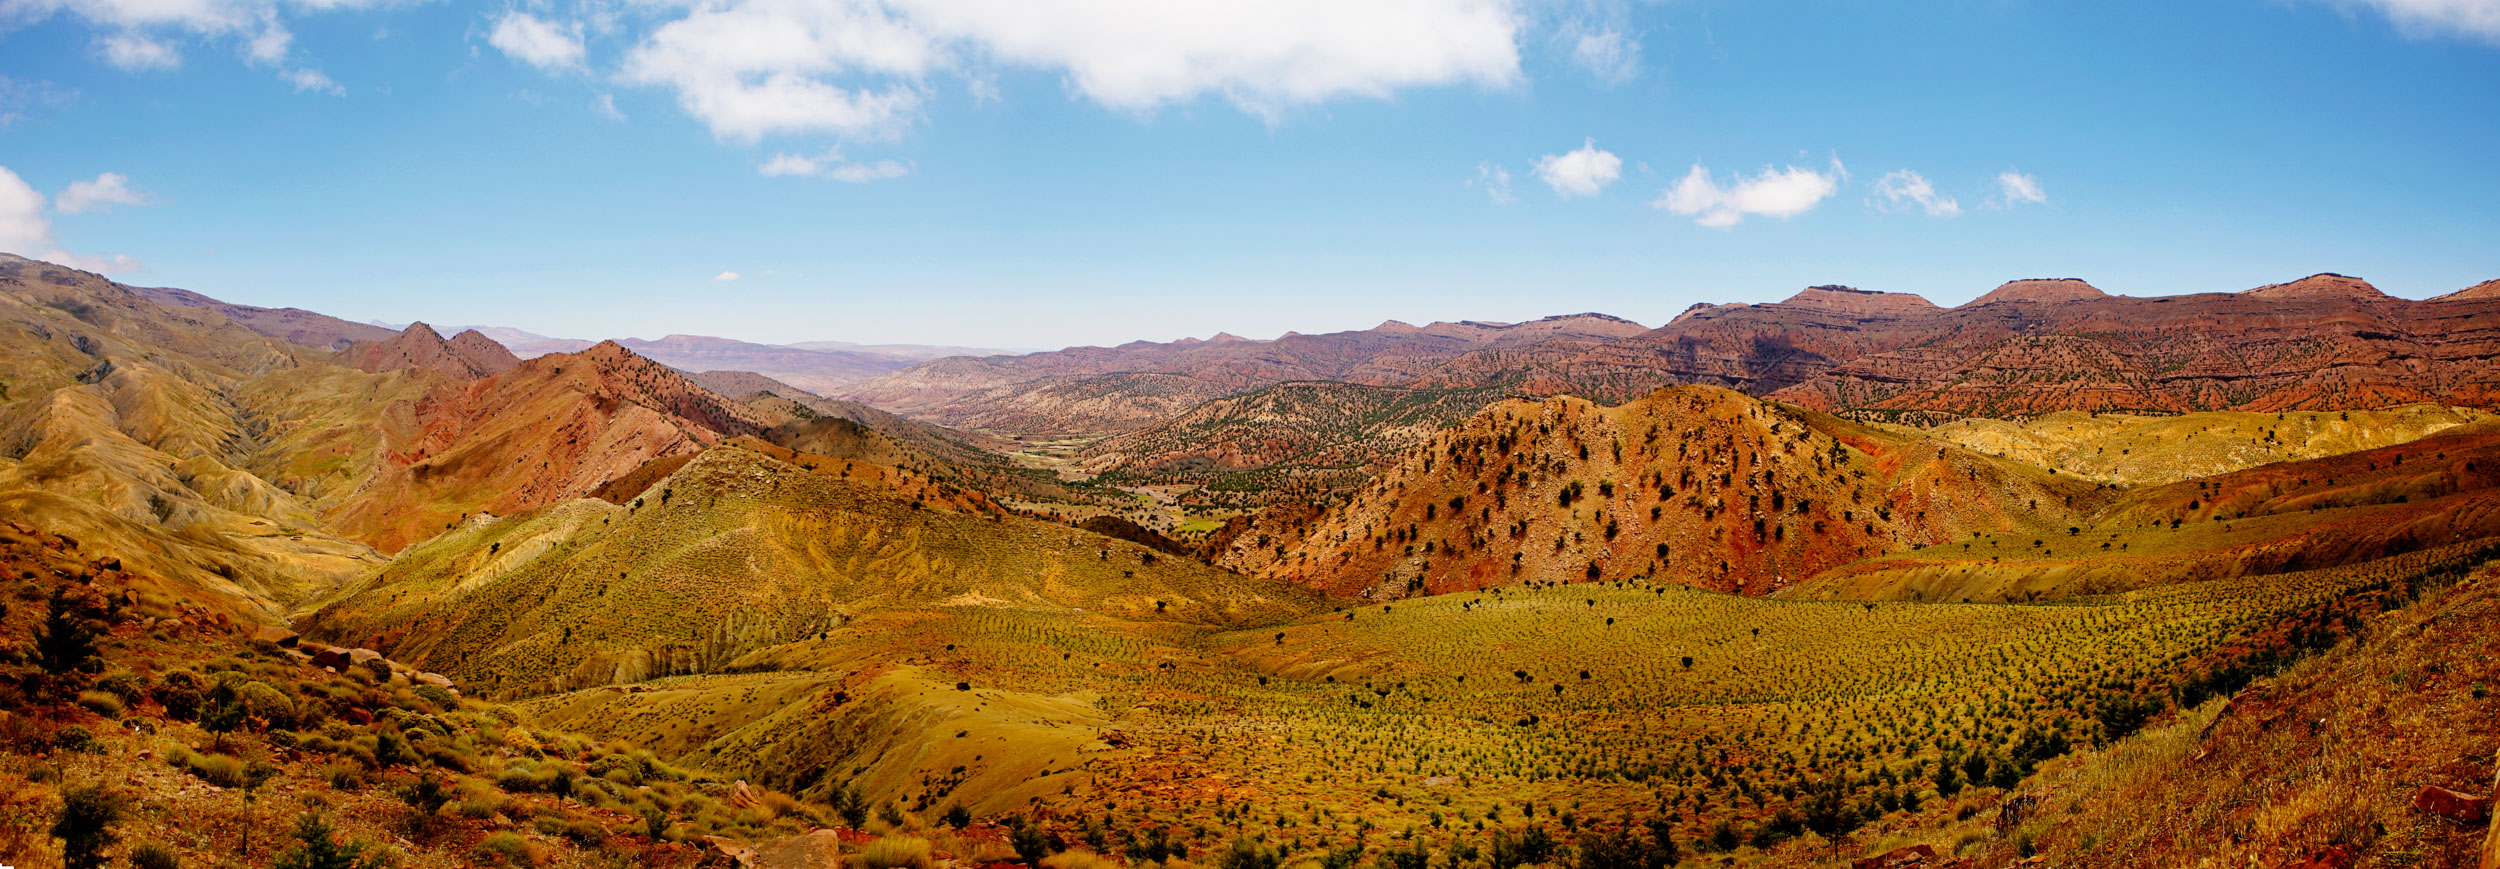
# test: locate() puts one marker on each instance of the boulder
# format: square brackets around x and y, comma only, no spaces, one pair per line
[272,633]
[330,656]
[362,655]
[437,680]
[818,849]
[2462,808]
[1914,855]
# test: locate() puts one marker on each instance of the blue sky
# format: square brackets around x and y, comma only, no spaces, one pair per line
[1030,173]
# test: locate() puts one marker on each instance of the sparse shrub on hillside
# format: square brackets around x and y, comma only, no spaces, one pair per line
[154,855]
[508,848]
[84,825]
[318,847]
[1246,854]
[897,852]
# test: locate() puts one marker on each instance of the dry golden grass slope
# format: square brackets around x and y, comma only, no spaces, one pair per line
[157,435]
[734,552]
[2288,516]
[2133,450]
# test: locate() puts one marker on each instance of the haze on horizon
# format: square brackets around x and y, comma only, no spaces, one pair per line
[1040,175]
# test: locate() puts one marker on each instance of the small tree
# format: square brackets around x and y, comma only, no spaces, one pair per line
[1030,842]
[1831,818]
[65,644]
[320,848]
[85,825]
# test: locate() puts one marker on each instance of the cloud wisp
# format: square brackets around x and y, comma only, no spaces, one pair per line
[2016,188]
[1905,190]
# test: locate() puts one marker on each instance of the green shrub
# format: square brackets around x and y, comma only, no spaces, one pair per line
[76,739]
[318,847]
[85,825]
[123,684]
[509,849]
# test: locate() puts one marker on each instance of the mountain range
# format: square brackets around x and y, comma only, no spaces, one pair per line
[1849,571]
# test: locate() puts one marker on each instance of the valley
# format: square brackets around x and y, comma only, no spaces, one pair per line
[1784,584]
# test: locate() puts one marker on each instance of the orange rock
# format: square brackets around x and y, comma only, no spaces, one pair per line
[2462,808]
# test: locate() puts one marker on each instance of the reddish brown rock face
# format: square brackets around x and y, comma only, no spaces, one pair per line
[551,428]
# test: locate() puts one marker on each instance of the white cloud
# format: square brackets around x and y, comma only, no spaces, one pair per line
[1608,54]
[2015,188]
[2478,19]
[133,52]
[724,276]
[831,165]
[537,41]
[604,105]
[1779,193]
[1903,189]
[25,229]
[857,68]
[107,190]
[1583,172]
[1496,182]
[315,81]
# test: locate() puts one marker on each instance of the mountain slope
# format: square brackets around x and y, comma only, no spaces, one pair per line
[2131,450]
[735,552]
[466,356]
[984,392]
[285,324]
[552,428]
[1693,485]
[1308,437]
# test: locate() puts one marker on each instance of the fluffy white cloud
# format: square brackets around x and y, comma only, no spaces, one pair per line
[1779,193]
[2015,188]
[1583,172]
[134,52]
[537,41]
[107,190]
[724,276]
[1496,182]
[831,165]
[856,68]
[27,231]
[2474,18]
[1903,190]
